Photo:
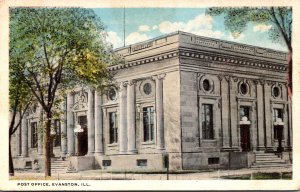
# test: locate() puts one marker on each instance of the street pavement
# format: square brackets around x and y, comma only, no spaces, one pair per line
[101,175]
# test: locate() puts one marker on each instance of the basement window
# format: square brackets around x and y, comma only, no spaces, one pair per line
[141,162]
[213,160]
[106,163]
[28,164]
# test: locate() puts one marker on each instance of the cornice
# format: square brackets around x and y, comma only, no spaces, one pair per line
[205,57]
[232,60]
[146,60]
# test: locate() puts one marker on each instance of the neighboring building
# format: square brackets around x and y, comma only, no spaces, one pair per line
[204,103]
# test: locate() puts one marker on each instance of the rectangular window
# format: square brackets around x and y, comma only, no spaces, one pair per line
[106,163]
[207,121]
[148,123]
[34,135]
[141,162]
[57,128]
[213,160]
[277,114]
[244,112]
[113,127]
[82,121]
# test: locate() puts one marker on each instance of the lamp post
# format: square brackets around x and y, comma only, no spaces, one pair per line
[78,130]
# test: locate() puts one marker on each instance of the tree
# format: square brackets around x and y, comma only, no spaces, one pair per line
[56,49]
[20,99]
[236,20]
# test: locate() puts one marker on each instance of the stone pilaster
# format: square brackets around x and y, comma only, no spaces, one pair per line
[40,132]
[98,124]
[290,131]
[160,137]
[63,133]
[91,122]
[285,127]
[24,136]
[123,118]
[131,148]
[268,115]
[70,125]
[260,115]
[224,113]
[253,127]
[233,88]
[18,140]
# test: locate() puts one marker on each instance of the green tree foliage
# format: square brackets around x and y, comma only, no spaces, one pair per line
[237,18]
[19,100]
[55,49]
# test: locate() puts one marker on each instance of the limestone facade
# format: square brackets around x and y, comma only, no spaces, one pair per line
[204,103]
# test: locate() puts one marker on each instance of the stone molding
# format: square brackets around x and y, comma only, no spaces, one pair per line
[144,61]
[223,59]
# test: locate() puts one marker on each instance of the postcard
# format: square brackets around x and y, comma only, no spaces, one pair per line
[148,95]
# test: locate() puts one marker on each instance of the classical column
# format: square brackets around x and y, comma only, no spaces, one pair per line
[122,118]
[98,124]
[24,137]
[70,125]
[18,138]
[40,132]
[253,127]
[268,115]
[285,127]
[225,112]
[290,131]
[63,133]
[160,138]
[260,115]
[131,117]
[233,112]
[91,122]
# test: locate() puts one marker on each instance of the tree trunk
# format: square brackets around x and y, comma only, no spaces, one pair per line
[47,145]
[11,164]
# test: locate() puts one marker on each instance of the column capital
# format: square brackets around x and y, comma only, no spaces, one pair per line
[158,77]
[92,89]
[131,82]
[227,78]
[122,84]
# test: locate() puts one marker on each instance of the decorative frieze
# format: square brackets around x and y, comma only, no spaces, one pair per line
[206,42]
[141,46]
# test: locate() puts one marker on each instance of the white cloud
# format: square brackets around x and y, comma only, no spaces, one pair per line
[261,28]
[135,37]
[144,28]
[200,25]
[114,39]
[154,27]
[168,27]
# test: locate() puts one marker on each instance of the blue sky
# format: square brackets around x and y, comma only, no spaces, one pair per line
[146,23]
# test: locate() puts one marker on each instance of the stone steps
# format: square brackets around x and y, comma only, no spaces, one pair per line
[272,166]
[269,160]
[59,166]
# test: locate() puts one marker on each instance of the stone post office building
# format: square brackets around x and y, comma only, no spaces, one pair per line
[204,103]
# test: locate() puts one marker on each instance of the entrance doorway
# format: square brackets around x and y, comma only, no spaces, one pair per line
[82,137]
[245,137]
[278,129]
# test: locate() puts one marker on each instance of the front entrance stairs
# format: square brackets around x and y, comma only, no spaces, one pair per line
[269,160]
[59,166]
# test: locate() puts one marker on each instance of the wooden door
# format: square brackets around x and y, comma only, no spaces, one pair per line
[245,137]
[82,137]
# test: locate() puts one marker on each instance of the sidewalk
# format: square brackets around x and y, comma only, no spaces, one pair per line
[100,175]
